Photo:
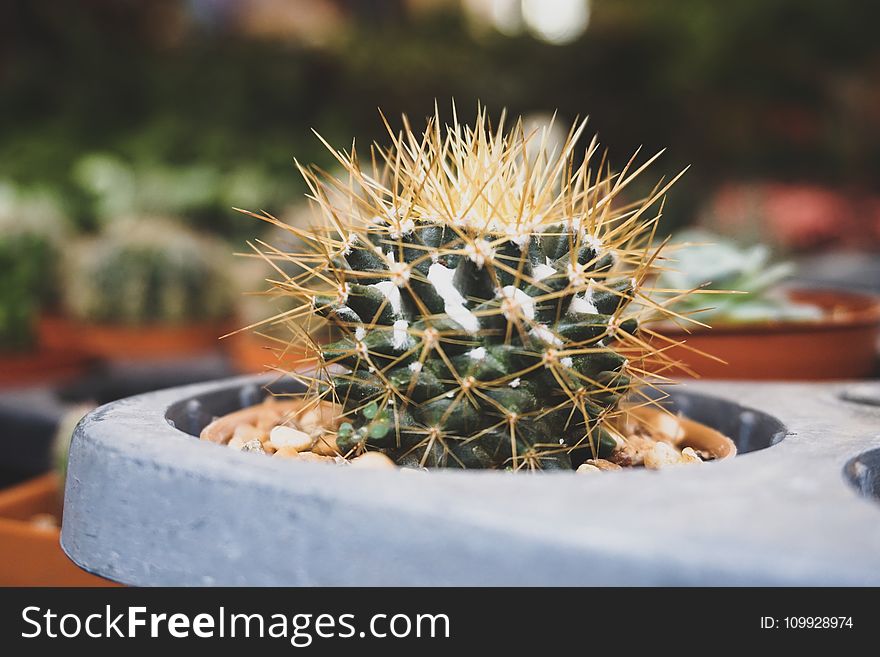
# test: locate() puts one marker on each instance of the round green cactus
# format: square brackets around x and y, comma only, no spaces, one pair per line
[483,295]
[147,271]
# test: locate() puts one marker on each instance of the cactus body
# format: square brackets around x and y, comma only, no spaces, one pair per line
[147,271]
[482,295]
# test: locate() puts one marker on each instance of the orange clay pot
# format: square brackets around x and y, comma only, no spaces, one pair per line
[41,365]
[842,345]
[31,554]
[119,342]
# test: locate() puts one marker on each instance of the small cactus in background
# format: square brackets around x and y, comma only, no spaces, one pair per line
[482,285]
[147,271]
[31,228]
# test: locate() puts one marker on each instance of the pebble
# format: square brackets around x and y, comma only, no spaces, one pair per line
[289,437]
[268,417]
[373,461]
[587,468]
[248,432]
[314,458]
[602,464]
[669,427]
[688,455]
[245,433]
[633,453]
[325,445]
[662,455]
[310,421]
[253,446]
[286,453]
[236,443]
[292,453]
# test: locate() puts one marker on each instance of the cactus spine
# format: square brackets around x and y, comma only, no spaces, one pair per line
[482,293]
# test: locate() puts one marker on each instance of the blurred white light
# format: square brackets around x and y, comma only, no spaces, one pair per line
[502,15]
[507,17]
[545,130]
[556,21]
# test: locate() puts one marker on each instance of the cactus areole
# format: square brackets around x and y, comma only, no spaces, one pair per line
[481,285]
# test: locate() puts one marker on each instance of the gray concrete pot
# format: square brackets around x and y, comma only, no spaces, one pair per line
[147,503]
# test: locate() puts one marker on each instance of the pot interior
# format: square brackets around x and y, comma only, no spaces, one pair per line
[750,429]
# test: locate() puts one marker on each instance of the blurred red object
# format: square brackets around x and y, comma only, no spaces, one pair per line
[798,217]
[41,366]
[873,211]
[805,216]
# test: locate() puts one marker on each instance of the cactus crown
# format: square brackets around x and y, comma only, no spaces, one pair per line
[481,289]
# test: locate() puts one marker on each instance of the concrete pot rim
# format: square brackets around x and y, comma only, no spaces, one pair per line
[653,528]
[256,464]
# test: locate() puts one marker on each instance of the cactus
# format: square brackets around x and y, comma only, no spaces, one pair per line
[31,227]
[482,289]
[147,271]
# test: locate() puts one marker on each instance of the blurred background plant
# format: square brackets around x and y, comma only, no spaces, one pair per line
[147,271]
[119,109]
[190,106]
[197,192]
[745,281]
[31,231]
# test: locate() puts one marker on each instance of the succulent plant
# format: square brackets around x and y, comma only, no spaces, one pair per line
[30,228]
[741,283]
[483,288]
[147,271]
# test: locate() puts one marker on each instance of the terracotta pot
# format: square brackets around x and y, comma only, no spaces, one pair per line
[41,365]
[842,345]
[119,342]
[30,553]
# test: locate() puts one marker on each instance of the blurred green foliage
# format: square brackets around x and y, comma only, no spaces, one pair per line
[22,261]
[31,228]
[787,88]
